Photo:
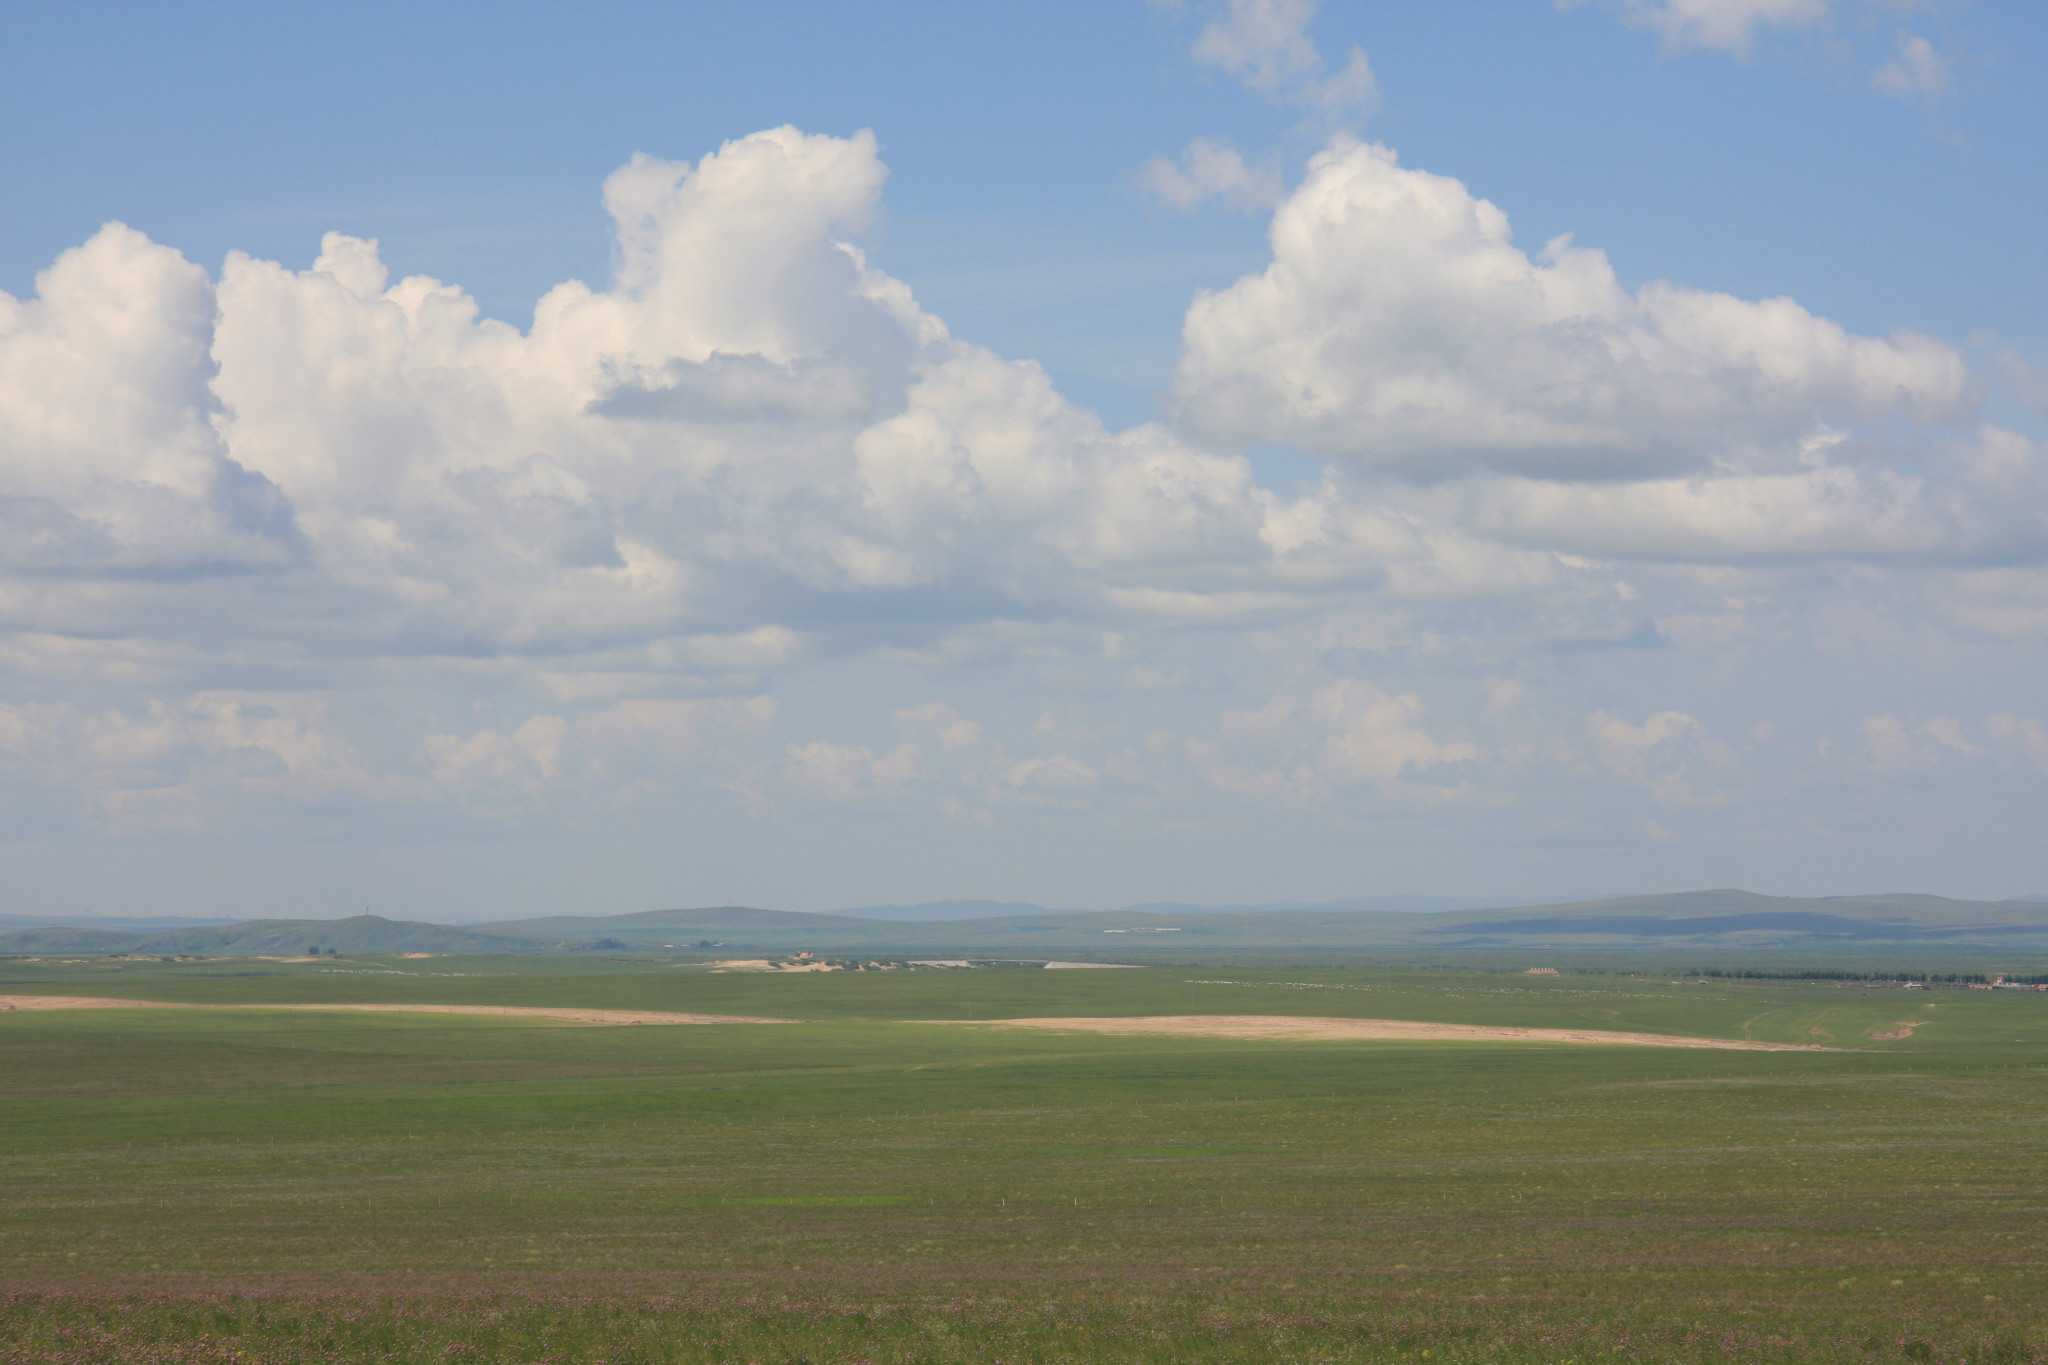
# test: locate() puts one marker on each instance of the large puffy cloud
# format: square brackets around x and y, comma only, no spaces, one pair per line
[754,447]
[749,450]
[751,431]
[110,460]
[1981,500]
[1497,421]
[570,561]
[1401,329]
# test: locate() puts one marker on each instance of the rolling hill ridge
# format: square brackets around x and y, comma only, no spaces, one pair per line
[1728,925]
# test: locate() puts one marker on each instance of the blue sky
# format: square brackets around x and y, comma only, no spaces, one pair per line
[1059,549]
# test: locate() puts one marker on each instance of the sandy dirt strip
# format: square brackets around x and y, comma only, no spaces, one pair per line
[569,1015]
[1282,1026]
[1298,1027]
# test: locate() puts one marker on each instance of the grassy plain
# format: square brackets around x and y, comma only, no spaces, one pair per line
[188,1185]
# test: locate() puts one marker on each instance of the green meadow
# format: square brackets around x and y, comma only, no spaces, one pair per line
[882,1180]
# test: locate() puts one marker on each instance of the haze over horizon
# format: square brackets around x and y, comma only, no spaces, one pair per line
[1087,455]
[1675,905]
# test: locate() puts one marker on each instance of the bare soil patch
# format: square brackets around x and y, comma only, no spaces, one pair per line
[1322,1030]
[1902,1029]
[567,1014]
[64,1002]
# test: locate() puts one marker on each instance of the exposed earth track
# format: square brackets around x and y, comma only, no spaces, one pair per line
[566,1014]
[1315,1029]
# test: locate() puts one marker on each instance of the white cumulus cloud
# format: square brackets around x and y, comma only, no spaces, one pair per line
[1669,753]
[111,458]
[305,542]
[1266,45]
[749,436]
[1917,71]
[1401,329]
[1349,732]
[1726,25]
[1210,170]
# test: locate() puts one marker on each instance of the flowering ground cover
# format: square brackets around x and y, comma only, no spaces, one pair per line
[211,1186]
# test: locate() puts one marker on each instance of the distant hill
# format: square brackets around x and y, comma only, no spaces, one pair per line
[682,928]
[1725,915]
[942,911]
[358,934]
[34,942]
[926,912]
[1404,905]
[1703,928]
[1613,930]
[117,923]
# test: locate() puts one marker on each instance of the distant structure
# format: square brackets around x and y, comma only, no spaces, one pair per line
[1540,971]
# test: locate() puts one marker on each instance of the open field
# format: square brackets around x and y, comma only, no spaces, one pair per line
[265,1185]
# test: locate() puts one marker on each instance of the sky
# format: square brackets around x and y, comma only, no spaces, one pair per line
[467,461]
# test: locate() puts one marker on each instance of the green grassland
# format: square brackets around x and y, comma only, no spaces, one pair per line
[194,1185]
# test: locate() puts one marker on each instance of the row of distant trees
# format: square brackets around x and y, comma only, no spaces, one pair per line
[1814,974]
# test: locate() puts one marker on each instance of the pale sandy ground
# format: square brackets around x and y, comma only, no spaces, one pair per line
[1282,1026]
[1295,1026]
[566,1014]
